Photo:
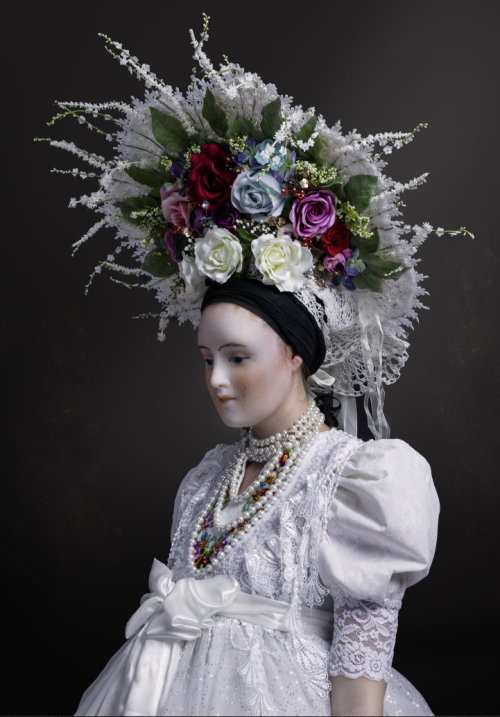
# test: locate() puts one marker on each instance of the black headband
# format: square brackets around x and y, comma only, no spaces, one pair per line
[284,313]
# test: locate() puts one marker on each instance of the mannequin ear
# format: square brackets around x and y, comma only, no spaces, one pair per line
[297,361]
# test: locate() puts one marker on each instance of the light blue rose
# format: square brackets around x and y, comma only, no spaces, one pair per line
[257,193]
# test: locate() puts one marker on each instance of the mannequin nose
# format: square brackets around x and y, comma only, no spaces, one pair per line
[218,377]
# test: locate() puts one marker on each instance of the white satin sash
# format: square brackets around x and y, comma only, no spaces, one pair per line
[143,670]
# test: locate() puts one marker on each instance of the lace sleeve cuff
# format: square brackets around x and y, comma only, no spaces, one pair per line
[364,636]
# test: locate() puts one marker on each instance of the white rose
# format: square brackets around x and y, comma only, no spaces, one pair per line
[218,254]
[282,261]
[194,281]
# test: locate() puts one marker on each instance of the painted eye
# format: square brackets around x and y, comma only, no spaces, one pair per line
[237,359]
[208,361]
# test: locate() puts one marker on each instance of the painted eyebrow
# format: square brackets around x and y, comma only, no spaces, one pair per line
[223,346]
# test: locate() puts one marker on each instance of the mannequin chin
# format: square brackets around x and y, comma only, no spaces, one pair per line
[252,376]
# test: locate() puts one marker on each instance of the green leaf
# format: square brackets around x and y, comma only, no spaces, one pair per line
[287,207]
[271,118]
[168,131]
[360,189]
[159,264]
[243,234]
[338,190]
[243,126]
[134,204]
[214,114]
[396,273]
[314,153]
[366,245]
[367,280]
[154,193]
[384,268]
[307,129]
[196,138]
[147,175]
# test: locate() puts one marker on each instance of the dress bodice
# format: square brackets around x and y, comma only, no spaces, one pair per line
[355,527]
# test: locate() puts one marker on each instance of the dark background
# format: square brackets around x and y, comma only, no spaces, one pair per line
[102,420]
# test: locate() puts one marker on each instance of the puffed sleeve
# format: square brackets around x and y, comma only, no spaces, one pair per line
[380,539]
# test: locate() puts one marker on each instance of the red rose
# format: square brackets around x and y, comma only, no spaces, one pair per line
[209,179]
[335,239]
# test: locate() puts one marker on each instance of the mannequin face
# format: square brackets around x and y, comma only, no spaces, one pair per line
[251,376]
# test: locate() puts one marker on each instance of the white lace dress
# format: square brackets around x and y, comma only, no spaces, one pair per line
[355,528]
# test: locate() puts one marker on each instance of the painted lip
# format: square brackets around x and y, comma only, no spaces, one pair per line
[225,399]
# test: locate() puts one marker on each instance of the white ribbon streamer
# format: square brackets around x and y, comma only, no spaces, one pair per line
[372,337]
[348,415]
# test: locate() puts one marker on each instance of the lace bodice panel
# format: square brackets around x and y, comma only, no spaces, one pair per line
[283,557]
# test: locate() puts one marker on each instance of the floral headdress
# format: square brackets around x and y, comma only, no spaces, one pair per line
[232,178]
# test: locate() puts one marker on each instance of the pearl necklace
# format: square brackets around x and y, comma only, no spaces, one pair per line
[289,450]
[269,450]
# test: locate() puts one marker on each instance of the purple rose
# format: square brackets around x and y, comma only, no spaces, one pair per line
[226,215]
[169,239]
[198,218]
[313,214]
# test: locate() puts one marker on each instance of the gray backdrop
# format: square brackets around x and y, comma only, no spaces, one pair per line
[102,420]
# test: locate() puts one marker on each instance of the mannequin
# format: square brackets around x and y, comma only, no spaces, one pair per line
[270,397]
[294,523]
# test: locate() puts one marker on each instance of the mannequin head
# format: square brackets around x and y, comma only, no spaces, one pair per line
[250,366]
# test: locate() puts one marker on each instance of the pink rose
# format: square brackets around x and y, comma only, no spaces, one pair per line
[176,209]
[336,264]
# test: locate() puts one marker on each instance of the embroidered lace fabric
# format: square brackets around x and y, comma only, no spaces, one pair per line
[339,539]
[364,637]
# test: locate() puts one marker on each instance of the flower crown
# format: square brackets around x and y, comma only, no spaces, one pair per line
[232,178]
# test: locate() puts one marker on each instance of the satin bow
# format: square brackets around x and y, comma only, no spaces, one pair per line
[180,610]
[137,679]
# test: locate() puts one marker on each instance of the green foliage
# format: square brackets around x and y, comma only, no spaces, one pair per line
[271,118]
[135,204]
[159,264]
[307,129]
[147,175]
[315,152]
[168,131]
[154,193]
[377,267]
[366,245]
[360,189]
[367,280]
[384,268]
[214,114]
[244,234]
[243,126]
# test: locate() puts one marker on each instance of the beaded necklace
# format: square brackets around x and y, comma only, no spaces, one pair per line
[211,538]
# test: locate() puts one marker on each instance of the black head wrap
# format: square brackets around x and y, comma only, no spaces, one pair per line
[288,316]
[284,313]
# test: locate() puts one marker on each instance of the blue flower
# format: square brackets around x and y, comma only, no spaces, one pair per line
[245,156]
[271,154]
[257,193]
[354,265]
